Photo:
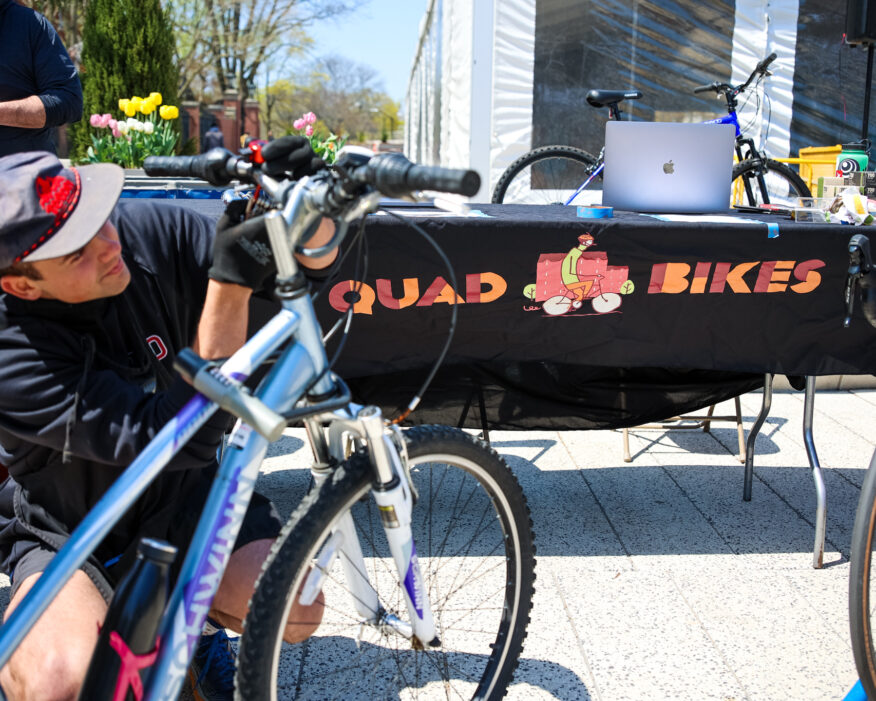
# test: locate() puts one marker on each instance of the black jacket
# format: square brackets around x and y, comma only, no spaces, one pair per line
[76,399]
[33,61]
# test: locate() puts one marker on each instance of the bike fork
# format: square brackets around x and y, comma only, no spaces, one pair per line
[392,492]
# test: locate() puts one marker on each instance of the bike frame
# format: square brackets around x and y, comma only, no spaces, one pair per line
[300,369]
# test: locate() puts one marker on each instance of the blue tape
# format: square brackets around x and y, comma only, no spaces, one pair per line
[773,230]
[596,212]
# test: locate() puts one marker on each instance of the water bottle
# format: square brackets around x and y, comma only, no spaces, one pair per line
[126,644]
[853,158]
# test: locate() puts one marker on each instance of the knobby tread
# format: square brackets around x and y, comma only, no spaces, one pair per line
[309,521]
[860,574]
[776,167]
[538,154]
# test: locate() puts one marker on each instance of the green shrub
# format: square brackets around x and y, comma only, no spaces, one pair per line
[127,49]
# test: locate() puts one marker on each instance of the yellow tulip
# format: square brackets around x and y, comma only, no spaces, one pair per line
[123,103]
[136,98]
[147,106]
[168,112]
[130,108]
[155,97]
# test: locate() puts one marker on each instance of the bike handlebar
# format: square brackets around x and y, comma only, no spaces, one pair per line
[716,86]
[759,69]
[390,173]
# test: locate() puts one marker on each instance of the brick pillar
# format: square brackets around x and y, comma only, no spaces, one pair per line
[193,110]
[251,123]
[232,115]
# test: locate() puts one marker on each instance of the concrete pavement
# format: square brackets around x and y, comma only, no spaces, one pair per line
[655,580]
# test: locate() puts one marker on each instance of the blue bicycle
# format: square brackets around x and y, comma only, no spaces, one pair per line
[570,175]
[419,542]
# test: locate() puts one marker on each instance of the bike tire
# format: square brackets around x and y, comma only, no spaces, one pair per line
[784,186]
[553,170]
[454,474]
[862,583]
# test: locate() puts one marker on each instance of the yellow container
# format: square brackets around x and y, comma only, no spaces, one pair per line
[818,162]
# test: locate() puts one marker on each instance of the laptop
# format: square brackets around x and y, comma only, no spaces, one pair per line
[668,167]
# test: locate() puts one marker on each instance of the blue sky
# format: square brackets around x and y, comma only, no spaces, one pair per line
[382,34]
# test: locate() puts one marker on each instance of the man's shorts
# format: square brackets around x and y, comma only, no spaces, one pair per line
[260,522]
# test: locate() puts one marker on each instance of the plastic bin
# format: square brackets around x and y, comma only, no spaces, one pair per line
[818,162]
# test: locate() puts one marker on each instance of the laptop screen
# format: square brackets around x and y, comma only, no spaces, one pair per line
[668,167]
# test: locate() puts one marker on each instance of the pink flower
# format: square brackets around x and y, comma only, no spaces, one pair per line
[112,123]
[94,120]
[116,132]
[105,119]
[308,131]
[309,118]
[299,124]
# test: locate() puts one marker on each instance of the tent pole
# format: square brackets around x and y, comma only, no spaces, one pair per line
[865,127]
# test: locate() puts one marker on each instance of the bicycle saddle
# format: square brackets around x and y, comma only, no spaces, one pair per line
[601,98]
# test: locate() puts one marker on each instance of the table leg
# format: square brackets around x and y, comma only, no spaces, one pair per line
[820,492]
[752,435]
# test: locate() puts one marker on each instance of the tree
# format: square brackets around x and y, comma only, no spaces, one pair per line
[128,49]
[224,43]
[345,95]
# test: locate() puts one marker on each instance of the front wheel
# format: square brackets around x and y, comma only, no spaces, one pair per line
[862,583]
[606,302]
[549,175]
[757,182]
[474,541]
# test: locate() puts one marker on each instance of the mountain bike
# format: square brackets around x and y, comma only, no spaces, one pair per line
[566,174]
[420,541]
[861,282]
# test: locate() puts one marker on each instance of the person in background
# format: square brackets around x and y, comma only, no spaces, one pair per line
[212,139]
[39,85]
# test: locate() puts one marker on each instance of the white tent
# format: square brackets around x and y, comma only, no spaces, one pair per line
[494,78]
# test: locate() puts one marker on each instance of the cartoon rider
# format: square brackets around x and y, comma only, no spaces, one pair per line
[578,286]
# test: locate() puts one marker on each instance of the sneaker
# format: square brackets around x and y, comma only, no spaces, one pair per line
[212,670]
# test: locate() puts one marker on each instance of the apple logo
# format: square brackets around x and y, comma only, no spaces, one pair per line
[669,168]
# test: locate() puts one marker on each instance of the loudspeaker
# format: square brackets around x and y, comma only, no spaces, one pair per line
[861,21]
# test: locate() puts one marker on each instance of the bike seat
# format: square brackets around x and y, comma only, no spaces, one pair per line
[601,98]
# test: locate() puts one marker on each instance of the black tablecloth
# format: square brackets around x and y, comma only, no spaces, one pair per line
[706,308]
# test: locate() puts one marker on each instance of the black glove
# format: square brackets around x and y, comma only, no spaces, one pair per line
[290,156]
[241,251]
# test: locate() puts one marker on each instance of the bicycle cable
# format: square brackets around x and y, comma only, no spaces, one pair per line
[346,320]
[361,258]
[453,317]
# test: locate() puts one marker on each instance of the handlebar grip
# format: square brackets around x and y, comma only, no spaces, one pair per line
[175,166]
[704,88]
[458,181]
[762,66]
[395,176]
[212,166]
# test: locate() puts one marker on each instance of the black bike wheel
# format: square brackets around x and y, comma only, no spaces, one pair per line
[548,175]
[783,185]
[474,542]
[862,584]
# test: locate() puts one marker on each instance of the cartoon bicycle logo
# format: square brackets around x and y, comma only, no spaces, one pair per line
[566,281]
